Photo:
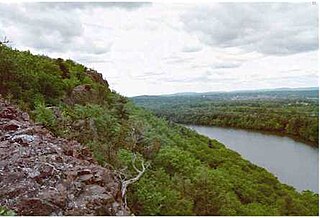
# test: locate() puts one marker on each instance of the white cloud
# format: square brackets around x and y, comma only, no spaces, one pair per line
[48,29]
[169,48]
[268,28]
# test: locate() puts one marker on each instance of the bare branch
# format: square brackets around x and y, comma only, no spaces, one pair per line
[4,41]
[133,163]
[121,174]
[126,183]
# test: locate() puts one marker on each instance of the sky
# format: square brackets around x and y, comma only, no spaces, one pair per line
[154,48]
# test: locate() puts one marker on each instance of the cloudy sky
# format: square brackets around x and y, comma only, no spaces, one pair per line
[144,48]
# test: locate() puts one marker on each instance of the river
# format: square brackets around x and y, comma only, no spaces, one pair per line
[294,163]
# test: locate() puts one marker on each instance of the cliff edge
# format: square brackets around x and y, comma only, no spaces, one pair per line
[41,174]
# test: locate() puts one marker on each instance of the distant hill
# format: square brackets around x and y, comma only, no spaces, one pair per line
[233,92]
[310,93]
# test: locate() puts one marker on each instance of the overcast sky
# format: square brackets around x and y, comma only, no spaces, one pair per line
[144,48]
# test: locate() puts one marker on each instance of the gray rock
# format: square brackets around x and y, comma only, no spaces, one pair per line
[44,175]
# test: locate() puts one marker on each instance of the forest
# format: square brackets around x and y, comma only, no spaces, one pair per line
[292,113]
[183,176]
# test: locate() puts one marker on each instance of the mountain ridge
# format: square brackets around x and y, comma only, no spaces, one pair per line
[230,92]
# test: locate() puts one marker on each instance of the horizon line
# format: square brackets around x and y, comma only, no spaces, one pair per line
[237,90]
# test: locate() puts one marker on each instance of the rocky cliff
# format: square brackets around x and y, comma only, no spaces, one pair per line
[41,174]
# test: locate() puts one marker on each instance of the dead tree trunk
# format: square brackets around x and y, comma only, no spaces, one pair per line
[126,182]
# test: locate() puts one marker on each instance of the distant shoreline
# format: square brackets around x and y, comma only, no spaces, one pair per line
[281,134]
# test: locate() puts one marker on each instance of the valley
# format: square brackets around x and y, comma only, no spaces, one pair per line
[173,170]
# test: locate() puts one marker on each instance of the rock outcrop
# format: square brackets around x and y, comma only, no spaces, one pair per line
[97,77]
[81,94]
[44,175]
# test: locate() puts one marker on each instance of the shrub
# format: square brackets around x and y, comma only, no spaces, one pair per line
[44,115]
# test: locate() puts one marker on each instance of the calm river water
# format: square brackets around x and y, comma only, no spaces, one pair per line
[294,163]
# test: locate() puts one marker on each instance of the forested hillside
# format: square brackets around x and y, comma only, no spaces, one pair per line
[180,173]
[287,112]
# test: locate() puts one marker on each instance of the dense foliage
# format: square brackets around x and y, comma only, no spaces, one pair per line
[185,177]
[295,115]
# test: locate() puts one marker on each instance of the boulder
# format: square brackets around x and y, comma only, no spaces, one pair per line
[81,94]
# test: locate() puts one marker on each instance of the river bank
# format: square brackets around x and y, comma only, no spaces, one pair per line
[293,162]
